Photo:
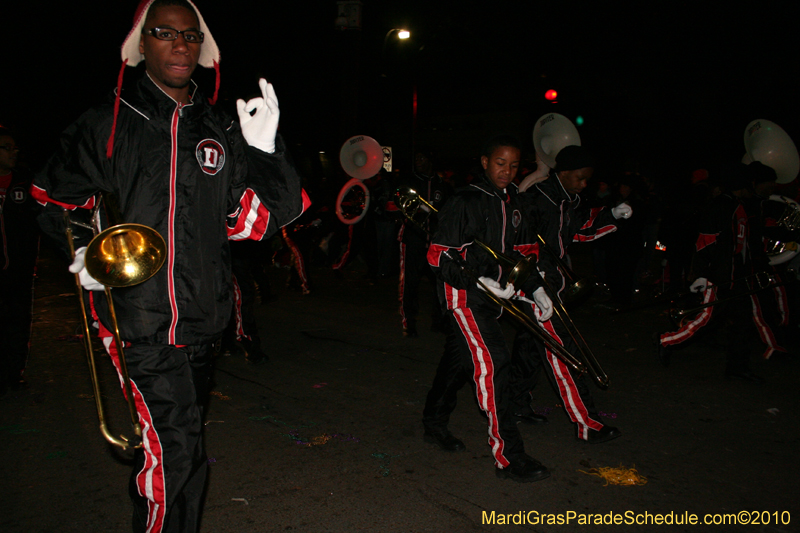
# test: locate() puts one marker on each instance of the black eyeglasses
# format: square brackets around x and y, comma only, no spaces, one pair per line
[9,148]
[170,34]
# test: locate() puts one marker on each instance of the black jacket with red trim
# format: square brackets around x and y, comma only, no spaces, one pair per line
[18,229]
[185,171]
[560,220]
[723,248]
[478,212]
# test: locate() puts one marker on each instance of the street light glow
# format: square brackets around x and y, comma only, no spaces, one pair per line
[403,34]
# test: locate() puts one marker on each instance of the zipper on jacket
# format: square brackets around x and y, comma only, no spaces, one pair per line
[171,224]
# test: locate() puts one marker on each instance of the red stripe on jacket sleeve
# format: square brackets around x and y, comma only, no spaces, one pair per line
[528,249]
[435,252]
[40,195]
[706,239]
[593,212]
[599,233]
[306,201]
[252,220]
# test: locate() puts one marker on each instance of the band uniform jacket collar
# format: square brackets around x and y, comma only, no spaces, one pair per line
[483,184]
[554,191]
[150,101]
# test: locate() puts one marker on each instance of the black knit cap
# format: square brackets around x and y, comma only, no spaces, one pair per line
[745,176]
[573,157]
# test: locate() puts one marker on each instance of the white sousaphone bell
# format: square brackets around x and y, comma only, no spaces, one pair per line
[768,143]
[551,133]
[361,158]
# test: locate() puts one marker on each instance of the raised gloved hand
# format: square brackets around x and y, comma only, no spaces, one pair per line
[623,210]
[544,303]
[495,288]
[78,267]
[699,285]
[259,129]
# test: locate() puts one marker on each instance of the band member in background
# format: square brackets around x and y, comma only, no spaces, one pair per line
[20,239]
[724,266]
[176,163]
[552,207]
[414,243]
[488,211]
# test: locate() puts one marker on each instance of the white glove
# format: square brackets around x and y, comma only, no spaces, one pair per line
[623,210]
[699,285]
[544,303]
[495,288]
[78,267]
[260,128]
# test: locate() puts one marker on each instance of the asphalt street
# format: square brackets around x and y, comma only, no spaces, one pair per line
[327,435]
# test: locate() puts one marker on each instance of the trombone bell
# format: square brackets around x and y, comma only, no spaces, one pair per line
[125,255]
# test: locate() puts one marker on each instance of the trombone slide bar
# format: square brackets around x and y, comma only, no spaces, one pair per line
[122,442]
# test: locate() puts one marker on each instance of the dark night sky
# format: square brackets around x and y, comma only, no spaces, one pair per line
[670,89]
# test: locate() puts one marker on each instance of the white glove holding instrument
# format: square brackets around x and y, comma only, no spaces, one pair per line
[623,210]
[544,303]
[495,288]
[78,267]
[260,128]
[699,285]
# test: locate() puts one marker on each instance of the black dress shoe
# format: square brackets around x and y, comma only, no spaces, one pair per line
[445,441]
[530,418]
[745,375]
[604,435]
[523,470]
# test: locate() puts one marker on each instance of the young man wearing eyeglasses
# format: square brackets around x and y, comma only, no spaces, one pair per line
[176,163]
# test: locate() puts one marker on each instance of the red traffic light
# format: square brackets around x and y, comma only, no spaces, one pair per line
[551,95]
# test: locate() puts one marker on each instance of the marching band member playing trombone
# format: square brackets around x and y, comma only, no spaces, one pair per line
[487,211]
[552,206]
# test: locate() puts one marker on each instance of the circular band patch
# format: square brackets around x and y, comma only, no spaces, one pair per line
[210,155]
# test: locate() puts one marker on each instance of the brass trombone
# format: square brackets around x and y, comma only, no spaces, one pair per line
[123,255]
[593,367]
[576,288]
[410,202]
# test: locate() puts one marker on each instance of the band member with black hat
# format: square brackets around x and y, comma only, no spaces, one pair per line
[176,163]
[552,206]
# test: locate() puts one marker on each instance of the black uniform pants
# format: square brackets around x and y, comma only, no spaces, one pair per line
[530,356]
[16,301]
[170,386]
[476,350]
[413,267]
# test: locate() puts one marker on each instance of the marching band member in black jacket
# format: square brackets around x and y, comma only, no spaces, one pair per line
[552,207]
[414,244]
[487,211]
[173,162]
[729,253]
[19,236]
